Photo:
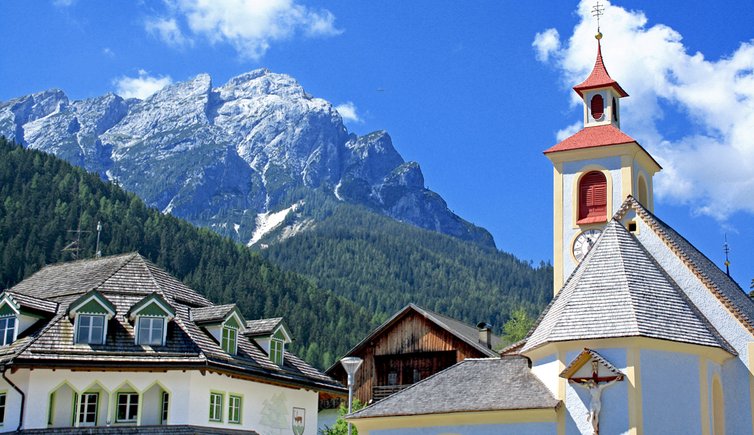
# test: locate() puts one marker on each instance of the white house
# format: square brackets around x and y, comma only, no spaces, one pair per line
[117,342]
[645,335]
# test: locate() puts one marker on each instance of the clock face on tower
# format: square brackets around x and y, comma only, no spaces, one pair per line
[584,243]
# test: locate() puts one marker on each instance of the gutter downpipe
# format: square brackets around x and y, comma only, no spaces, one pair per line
[23,399]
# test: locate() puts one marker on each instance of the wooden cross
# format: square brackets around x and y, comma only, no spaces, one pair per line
[595,384]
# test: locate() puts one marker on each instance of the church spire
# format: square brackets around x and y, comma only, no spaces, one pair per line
[599,78]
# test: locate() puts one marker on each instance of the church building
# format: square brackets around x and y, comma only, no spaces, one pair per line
[644,335]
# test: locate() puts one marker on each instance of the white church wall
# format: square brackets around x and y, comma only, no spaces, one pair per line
[669,377]
[548,369]
[737,411]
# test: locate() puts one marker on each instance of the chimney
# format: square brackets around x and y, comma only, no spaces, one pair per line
[485,334]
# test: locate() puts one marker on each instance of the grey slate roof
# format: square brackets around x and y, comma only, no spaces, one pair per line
[125,280]
[259,327]
[719,283]
[211,314]
[487,384]
[32,303]
[618,290]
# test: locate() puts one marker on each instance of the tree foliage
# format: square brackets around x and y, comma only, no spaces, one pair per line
[341,426]
[516,328]
[42,197]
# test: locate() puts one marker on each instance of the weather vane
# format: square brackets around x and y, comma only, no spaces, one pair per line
[597,11]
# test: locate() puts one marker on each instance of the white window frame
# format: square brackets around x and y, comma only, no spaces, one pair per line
[79,325]
[277,351]
[4,330]
[225,341]
[84,400]
[151,329]
[235,404]
[216,407]
[129,402]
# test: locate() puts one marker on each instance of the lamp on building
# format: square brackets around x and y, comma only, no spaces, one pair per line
[351,364]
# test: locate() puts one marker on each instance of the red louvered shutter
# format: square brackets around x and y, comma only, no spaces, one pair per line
[593,198]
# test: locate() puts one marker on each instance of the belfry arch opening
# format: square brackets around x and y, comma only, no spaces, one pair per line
[597,106]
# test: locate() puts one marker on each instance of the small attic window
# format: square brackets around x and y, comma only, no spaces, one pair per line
[7,330]
[230,340]
[598,107]
[632,226]
[150,317]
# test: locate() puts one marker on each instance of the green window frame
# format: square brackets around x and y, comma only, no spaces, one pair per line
[7,330]
[276,351]
[127,408]
[216,406]
[230,340]
[3,399]
[234,409]
[90,329]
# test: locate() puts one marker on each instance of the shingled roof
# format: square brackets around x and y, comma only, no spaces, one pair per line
[255,328]
[488,384]
[618,290]
[125,280]
[717,281]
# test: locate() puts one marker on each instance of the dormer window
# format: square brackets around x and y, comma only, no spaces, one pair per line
[150,317]
[230,340]
[277,349]
[592,198]
[90,329]
[7,330]
[91,313]
[151,331]
[272,335]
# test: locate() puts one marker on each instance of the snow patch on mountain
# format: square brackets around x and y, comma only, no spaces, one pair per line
[269,221]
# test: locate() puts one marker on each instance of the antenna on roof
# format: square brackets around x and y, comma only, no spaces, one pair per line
[74,247]
[98,253]
[726,249]
[597,11]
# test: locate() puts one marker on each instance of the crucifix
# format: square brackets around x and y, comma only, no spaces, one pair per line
[595,384]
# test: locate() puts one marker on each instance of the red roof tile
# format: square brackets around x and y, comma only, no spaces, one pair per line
[599,78]
[590,137]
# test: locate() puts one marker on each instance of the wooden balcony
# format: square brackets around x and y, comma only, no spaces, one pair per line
[380,392]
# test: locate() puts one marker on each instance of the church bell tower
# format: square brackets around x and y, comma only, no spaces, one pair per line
[594,171]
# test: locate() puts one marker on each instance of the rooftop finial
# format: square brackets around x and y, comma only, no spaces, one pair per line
[726,249]
[597,11]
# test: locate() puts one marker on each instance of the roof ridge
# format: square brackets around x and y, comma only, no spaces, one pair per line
[118,269]
[144,263]
[623,260]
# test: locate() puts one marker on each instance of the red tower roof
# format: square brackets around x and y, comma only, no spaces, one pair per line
[599,78]
[591,137]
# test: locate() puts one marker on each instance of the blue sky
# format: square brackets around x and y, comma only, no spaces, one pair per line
[474,94]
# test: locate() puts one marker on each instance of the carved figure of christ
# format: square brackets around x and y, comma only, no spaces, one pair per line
[595,384]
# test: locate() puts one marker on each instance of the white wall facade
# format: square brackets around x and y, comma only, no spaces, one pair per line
[266,408]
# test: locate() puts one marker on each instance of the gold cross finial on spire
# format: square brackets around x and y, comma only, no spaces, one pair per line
[597,11]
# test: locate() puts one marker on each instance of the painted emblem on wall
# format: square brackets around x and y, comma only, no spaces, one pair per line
[298,421]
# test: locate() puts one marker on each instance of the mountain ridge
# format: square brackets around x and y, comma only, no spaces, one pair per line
[220,156]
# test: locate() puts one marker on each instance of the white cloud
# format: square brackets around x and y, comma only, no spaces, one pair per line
[167,29]
[546,43]
[140,87]
[250,26]
[711,167]
[63,3]
[107,51]
[348,112]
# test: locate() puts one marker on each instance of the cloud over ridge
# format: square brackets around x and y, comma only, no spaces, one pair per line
[710,165]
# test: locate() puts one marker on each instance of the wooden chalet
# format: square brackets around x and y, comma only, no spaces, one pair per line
[410,346]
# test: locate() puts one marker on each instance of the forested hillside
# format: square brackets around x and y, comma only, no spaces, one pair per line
[42,197]
[383,265]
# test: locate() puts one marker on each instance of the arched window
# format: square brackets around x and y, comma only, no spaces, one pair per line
[642,192]
[615,109]
[593,198]
[598,106]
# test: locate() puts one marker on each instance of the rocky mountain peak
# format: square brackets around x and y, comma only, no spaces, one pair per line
[221,156]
